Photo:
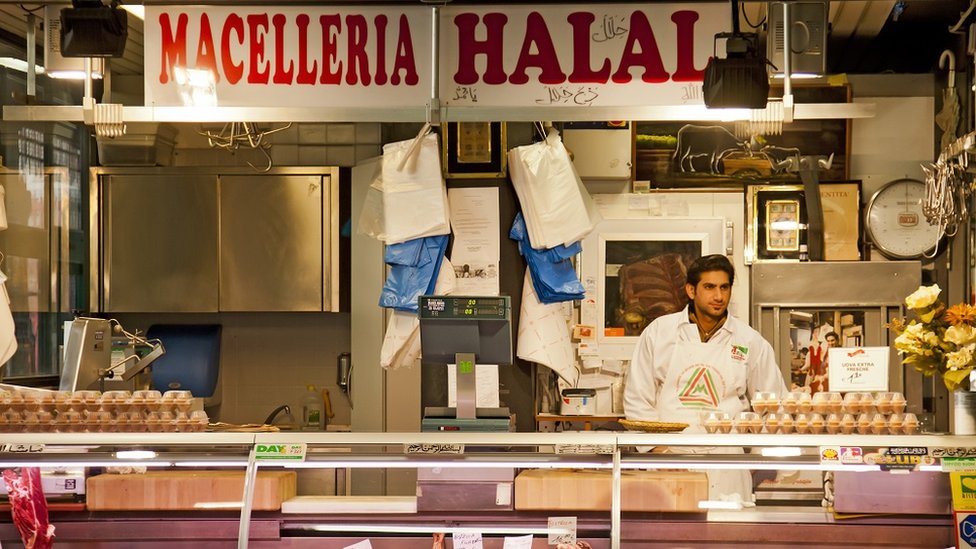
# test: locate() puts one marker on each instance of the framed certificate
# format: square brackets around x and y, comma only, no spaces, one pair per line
[474,149]
[776,221]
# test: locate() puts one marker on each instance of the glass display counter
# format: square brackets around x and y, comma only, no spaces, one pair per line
[614,453]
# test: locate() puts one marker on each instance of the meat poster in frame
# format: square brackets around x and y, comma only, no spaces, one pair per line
[634,270]
[777,217]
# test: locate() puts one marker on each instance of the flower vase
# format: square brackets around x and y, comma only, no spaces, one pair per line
[963,412]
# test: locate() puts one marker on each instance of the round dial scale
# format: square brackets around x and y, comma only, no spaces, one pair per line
[895,221]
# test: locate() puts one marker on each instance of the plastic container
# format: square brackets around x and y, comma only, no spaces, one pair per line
[312,413]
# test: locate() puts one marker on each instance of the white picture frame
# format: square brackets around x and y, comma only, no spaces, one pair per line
[708,232]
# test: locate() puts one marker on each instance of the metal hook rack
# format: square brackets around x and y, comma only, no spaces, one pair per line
[235,134]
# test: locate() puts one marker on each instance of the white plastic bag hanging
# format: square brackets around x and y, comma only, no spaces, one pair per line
[544,334]
[8,338]
[414,193]
[401,344]
[557,207]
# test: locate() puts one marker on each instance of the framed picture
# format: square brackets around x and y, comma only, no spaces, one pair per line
[634,270]
[474,149]
[776,222]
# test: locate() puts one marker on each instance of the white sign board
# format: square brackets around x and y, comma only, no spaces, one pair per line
[857,369]
[292,56]
[577,55]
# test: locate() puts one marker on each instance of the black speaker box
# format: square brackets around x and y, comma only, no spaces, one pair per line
[93,32]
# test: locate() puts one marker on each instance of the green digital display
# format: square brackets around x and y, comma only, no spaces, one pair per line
[475,307]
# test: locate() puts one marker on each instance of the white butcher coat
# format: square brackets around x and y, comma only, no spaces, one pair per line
[674,377]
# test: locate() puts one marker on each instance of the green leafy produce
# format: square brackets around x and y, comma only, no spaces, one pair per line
[656,141]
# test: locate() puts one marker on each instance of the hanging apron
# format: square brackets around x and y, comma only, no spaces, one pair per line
[704,378]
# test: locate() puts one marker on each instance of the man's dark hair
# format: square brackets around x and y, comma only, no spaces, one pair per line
[837,337]
[708,263]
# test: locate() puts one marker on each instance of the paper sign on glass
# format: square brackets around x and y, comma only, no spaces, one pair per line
[518,542]
[858,368]
[562,530]
[467,540]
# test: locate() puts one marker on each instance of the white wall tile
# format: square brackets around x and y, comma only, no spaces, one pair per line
[341,134]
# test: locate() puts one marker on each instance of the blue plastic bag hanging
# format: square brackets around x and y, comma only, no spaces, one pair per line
[551,270]
[414,265]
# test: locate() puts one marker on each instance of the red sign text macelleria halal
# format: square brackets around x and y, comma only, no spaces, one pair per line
[538,50]
[269,61]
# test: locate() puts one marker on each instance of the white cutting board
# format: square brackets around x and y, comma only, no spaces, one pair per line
[349,504]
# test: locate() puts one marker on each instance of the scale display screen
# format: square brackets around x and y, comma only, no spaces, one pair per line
[474,307]
[466,324]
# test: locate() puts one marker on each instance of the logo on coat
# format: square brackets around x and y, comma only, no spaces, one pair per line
[699,390]
[740,352]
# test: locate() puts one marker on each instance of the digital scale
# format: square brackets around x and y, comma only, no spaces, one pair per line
[466,330]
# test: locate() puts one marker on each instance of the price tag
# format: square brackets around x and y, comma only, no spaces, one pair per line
[418,448]
[280,452]
[518,542]
[467,540]
[562,530]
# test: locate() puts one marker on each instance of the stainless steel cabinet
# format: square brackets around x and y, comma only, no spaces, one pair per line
[180,240]
[160,243]
[271,243]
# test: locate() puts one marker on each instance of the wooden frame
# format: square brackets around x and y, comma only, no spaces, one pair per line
[776,216]
[474,150]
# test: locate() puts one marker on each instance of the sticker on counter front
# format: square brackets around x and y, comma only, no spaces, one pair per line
[562,530]
[857,368]
[966,464]
[21,448]
[603,449]
[847,455]
[518,542]
[963,491]
[965,530]
[899,458]
[432,448]
[365,544]
[280,452]
[467,540]
[940,452]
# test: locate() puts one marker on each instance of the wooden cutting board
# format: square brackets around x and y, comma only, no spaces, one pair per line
[187,490]
[568,490]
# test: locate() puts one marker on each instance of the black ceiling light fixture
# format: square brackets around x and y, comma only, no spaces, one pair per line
[740,80]
[90,28]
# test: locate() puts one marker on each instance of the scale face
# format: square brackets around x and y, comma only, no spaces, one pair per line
[895,221]
[473,307]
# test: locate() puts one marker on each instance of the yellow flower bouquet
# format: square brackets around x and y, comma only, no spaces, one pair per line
[941,341]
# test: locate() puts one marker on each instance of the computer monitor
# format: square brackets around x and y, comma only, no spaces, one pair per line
[466,330]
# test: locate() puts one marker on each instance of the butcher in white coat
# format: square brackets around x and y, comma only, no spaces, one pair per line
[701,360]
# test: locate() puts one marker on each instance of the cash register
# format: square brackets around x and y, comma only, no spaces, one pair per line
[466,331]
